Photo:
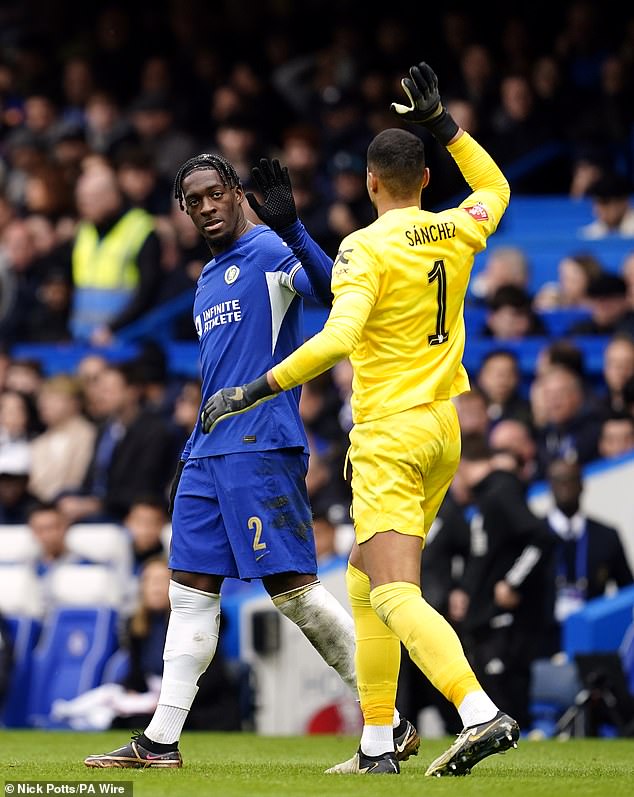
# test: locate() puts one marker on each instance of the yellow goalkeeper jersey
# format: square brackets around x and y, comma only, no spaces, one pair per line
[399,287]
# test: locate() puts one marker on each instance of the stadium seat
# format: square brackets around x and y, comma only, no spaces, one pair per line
[105,543]
[117,667]
[86,585]
[17,544]
[20,592]
[70,658]
[553,689]
[25,632]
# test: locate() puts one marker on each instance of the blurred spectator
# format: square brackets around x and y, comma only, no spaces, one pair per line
[350,208]
[499,379]
[589,554]
[561,352]
[18,418]
[618,368]
[504,265]
[511,316]
[133,453]
[25,376]
[116,257]
[571,426]
[153,120]
[611,207]
[15,498]
[609,309]
[617,435]
[342,380]
[518,126]
[575,273]
[89,368]
[504,603]
[627,272]
[62,452]
[50,528]
[106,126]
[145,522]
[140,181]
[325,534]
[516,436]
[472,409]
[186,410]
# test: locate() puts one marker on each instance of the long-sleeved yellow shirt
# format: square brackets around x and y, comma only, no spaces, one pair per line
[399,286]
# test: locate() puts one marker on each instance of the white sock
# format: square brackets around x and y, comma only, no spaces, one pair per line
[396,721]
[190,644]
[377,739]
[477,707]
[326,624]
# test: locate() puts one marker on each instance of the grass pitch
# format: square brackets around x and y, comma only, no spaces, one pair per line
[244,765]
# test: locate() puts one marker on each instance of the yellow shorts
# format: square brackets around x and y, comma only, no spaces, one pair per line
[402,467]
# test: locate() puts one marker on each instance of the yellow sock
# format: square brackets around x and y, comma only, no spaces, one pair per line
[378,653]
[432,643]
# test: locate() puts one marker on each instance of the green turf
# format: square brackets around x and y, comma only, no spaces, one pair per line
[243,765]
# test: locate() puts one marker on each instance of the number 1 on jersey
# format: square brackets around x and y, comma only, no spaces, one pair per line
[438,274]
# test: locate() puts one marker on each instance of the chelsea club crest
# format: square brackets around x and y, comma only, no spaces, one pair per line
[231,274]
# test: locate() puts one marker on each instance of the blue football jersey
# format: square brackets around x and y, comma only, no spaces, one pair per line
[248,314]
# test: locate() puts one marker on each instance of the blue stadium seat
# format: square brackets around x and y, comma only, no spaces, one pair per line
[70,657]
[553,689]
[25,632]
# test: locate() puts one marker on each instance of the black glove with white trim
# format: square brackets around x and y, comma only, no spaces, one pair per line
[425,106]
[233,400]
[273,182]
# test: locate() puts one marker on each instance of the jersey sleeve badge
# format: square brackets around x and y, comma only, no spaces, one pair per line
[477,212]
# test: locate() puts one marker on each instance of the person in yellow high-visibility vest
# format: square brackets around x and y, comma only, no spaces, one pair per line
[115,259]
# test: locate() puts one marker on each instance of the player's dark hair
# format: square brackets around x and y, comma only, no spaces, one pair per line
[398,158]
[206,160]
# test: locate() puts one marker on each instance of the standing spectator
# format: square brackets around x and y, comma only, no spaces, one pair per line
[589,553]
[570,427]
[115,257]
[63,451]
[505,603]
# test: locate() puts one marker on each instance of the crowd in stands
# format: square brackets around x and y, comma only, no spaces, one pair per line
[98,111]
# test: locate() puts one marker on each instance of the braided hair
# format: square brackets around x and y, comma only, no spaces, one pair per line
[227,172]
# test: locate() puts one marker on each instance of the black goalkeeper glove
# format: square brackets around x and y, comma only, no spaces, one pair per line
[273,182]
[174,485]
[233,400]
[425,106]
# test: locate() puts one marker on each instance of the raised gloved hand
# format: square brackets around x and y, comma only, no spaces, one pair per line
[233,400]
[278,209]
[425,106]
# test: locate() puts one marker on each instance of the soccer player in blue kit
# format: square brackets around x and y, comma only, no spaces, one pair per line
[239,503]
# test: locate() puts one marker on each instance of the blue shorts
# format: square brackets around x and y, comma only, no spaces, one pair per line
[244,515]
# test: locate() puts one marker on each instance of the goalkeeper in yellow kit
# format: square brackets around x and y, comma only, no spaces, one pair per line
[399,287]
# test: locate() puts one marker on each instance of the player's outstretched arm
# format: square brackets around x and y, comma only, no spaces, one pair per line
[425,106]
[278,211]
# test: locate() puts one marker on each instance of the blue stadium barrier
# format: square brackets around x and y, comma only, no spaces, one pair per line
[25,632]
[600,625]
[70,658]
